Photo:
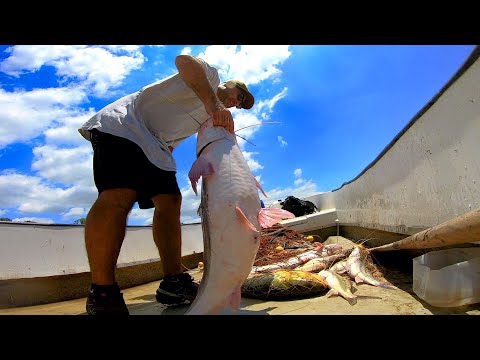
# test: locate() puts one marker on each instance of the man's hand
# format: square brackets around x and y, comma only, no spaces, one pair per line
[193,73]
[223,117]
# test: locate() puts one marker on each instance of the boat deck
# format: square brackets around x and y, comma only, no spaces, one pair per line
[371,301]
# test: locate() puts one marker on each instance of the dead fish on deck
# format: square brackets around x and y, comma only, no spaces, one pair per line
[339,286]
[232,219]
[339,267]
[355,266]
[320,263]
[287,264]
[299,259]
[331,249]
[284,284]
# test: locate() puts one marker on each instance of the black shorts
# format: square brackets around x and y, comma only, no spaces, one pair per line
[120,163]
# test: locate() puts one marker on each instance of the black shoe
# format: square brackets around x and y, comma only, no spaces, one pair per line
[106,300]
[176,289]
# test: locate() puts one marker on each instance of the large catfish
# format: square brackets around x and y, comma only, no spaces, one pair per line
[232,219]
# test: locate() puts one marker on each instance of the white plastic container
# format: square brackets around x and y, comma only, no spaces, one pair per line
[448,278]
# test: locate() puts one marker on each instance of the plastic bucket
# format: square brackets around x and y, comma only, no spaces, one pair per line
[448,278]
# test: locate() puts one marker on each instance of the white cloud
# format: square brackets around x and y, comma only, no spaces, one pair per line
[74,212]
[32,194]
[66,132]
[282,142]
[141,214]
[307,189]
[186,51]
[25,115]
[66,166]
[252,164]
[101,67]
[248,63]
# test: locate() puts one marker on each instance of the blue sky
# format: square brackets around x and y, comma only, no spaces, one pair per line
[338,107]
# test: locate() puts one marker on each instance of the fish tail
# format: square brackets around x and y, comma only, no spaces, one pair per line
[386,285]
[270,216]
[331,293]
[358,279]
[368,279]
[351,300]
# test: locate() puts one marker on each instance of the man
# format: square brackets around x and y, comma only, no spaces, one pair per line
[133,140]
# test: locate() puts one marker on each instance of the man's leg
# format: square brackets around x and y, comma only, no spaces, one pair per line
[105,230]
[177,287]
[104,234]
[167,233]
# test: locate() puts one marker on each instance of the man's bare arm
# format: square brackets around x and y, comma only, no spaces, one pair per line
[192,72]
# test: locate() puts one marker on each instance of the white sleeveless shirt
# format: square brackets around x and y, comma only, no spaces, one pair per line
[159,115]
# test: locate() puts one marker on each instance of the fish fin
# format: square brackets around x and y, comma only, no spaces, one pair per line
[331,292]
[359,280]
[351,300]
[270,216]
[386,285]
[201,167]
[337,270]
[259,186]
[244,219]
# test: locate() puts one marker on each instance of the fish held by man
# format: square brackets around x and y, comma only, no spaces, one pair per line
[232,219]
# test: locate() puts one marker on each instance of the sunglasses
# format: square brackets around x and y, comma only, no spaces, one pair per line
[241,97]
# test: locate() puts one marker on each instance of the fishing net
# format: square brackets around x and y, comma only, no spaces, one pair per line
[284,284]
[278,244]
[377,271]
[292,243]
[273,277]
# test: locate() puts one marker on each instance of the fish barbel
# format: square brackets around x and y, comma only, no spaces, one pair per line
[232,219]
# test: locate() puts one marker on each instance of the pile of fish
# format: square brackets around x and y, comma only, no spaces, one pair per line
[330,269]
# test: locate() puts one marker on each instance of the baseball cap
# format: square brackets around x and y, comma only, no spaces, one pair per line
[249,100]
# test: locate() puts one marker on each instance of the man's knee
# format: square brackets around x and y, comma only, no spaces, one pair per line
[122,199]
[167,203]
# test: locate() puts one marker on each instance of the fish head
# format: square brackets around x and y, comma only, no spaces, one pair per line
[359,251]
[323,273]
[332,249]
[355,252]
